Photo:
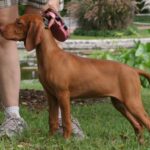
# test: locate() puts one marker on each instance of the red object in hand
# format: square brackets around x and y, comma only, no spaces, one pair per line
[55,23]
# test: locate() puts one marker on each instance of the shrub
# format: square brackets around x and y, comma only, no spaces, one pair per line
[103,14]
[21,9]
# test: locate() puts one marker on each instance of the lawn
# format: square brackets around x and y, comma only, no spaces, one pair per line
[131,32]
[104,127]
[143,18]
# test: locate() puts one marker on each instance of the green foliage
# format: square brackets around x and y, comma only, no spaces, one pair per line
[142,19]
[31,84]
[138,57]
[21,9]
[130,31]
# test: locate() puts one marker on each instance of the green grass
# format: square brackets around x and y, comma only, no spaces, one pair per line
[131,32]
[140,34]
[104,127]
[142,19]
[31,84]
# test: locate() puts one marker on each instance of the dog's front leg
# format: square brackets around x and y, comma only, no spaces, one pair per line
[53,114]
[64,102]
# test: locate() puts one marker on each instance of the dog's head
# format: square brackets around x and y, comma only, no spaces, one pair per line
[27,28]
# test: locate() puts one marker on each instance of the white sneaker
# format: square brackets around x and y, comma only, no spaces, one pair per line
[12,126]
[76,129]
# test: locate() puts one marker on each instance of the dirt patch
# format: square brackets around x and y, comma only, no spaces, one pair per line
[36,99]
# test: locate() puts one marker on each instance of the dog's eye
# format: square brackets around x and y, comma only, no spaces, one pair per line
[19,23]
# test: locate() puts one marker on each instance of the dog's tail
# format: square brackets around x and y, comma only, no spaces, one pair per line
[143,73]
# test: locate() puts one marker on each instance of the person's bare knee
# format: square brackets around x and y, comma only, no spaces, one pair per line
[8,14]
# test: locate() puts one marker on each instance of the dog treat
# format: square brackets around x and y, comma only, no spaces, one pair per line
[54,22]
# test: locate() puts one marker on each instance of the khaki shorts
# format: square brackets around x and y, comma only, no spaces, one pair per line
[34,3]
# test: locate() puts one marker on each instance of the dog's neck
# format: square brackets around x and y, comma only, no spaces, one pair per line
[46,49]
[47,41]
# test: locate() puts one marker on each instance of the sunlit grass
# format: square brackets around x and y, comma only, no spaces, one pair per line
[104,127]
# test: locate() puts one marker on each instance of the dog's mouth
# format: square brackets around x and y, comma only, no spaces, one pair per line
[11,36]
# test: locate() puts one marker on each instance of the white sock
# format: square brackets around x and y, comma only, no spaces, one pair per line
[13,110]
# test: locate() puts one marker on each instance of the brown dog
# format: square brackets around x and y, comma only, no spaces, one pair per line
[66,76]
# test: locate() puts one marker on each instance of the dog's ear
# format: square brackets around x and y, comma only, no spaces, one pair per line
[33,37]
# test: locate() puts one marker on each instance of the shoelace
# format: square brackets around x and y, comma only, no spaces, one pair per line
[7,120]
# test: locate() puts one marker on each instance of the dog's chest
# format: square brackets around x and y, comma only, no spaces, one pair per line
[52,80]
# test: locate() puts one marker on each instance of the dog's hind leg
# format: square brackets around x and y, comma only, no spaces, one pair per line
[63,98]
[138,127]
[136,107]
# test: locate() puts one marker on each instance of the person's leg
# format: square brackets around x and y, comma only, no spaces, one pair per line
[9,75]
[9,62]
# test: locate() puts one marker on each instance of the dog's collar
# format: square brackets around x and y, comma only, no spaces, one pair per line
[55,23]
[48,18]
[46,22]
